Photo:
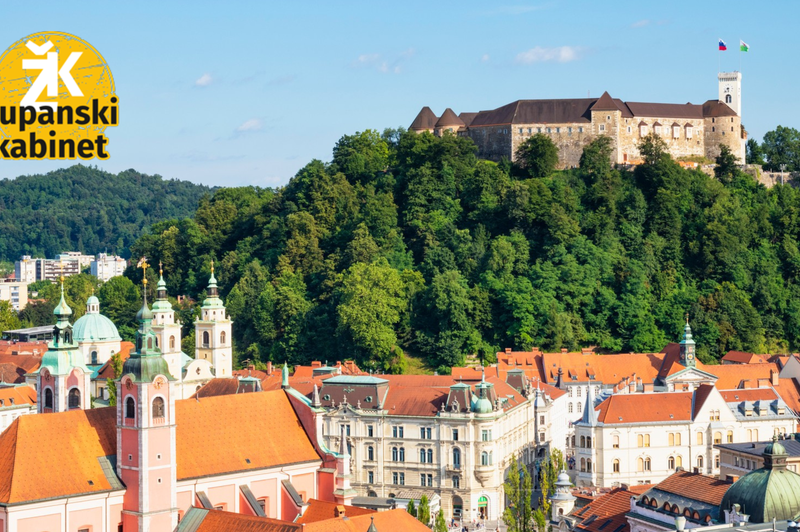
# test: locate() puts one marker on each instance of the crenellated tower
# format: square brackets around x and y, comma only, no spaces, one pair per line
[63,379]
[146,433]
[213,332]
[167,328]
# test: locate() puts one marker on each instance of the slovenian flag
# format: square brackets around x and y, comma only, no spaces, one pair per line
[743,46]
[722,45]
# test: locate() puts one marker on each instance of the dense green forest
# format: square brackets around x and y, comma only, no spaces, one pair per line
[85,209]
[409,243]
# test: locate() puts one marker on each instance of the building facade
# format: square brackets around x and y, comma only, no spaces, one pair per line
[689,130]
[105,266]
[15,292]
[30,270]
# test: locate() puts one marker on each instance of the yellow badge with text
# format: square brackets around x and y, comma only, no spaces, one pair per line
[57,98]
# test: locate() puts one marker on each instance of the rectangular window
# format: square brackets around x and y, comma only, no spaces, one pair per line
[530,130]
[558,130]
[369,431]
[394,478]
[370,477]
[541,420]
[456,482]
[397,432]
[630,129]
[455,434]
[486,435]
[520,131]
[538,130]
[615,442]
[602,127]
[548,130]
[580,129]
[402,479]
[569,130]
[346,430]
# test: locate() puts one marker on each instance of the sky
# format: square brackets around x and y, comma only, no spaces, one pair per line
[247,93]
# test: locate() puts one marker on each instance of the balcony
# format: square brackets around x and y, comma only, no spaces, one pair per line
[453,467]
[484,474]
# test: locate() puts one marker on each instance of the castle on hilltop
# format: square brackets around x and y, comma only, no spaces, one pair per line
[688,129]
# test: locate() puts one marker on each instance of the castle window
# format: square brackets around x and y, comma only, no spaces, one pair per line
[530,130]
[558,130]
[728,98]
[74,399]
[158,407]
[569,130]
[580,129]
[630,129]
[538,130]
[723,133]
[130,408]
[48,398]
[689,132]
[676,132]
[548,130]
[657,130]
[642,130]
[520,131]
[602,127]
[731,129]
[713,120]
[713,129]
[615,466]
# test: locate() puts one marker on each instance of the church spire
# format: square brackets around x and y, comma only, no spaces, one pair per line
[687,346]
[212,300]
[285,376]
[161,303]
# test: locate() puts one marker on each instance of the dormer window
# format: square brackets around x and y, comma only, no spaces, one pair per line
[689,130]
[676,131]
[657,128]
[642,129]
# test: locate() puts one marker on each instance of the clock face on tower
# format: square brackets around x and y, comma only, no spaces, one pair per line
[727,89]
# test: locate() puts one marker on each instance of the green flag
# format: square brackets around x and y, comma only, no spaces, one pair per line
[743,46]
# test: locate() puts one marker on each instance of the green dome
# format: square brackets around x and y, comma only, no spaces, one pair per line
[482,406]
[93,300]
[772,492]
[95,328]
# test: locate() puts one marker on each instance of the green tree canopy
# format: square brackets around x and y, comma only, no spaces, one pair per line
[537,156]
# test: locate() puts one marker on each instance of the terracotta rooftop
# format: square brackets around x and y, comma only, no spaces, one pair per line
[646,407]
[740,357]
[318,510]
[17,395]
[605,513]
[106,371]
[694,486]
[14,367]
[205,446]
[758,394]
[449,118]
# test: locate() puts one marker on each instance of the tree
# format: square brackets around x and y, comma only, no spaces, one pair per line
[424,511]
[755,155]
[8,318]
[537,156]
[440,525]
[540,519]
[549,471]
[653,149]
[518,515]
[782,147]
[116,366]
[596,156]
[362,155]
[727,166]
[411,508]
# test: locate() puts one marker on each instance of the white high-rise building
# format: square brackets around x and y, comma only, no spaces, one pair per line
[104,267]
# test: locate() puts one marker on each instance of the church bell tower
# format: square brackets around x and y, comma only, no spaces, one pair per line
[213,332]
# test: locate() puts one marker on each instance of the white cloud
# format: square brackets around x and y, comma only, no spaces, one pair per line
[485,58]
[539,54]
[640,23]
[254,124]
[383,64]
[204,81]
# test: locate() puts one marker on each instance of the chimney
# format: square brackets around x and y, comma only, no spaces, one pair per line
[340,511]
[632,387]
[269,368]
[316,364]
[564,350]
[251,367]
[773,377]
[731,479]
[696,471]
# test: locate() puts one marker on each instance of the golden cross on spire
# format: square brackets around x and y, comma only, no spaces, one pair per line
[61,267]
[160,269]
[143,265]
[687,318]
[212,266]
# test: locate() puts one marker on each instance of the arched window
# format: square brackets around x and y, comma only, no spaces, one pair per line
[158,407]
[48,398]
[588,442]
[671,463]
[717,438]
[395,454]
[583,442]
[430,456]
[422,456]
[639,465]
[580,406]
[74,399]
[728,98]
[222,338]
[700,461]
[699,438]
[94,358]
[588,465]
[205,339]
[157,344]
[583,465]
[679,461]
[172,342]
[647,464]
[370,453]
[456,457]
[402,454]
[615,466]
[569,408]
[130,408]
[730,436]
[484,458]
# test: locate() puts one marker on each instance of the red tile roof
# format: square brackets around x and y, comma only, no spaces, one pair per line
[740,357]
[388,521]
[17,395]
[758,394]
[215,435]
[695,486]
[318,510]
[217,521]
[646,407]
[606,513]
[106,371]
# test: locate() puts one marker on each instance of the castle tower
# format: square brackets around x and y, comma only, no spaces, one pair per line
[687,347]
[213,332]
[730,90]
[344,493]
[563,501]
[63,378]
[146,434]
[167,329]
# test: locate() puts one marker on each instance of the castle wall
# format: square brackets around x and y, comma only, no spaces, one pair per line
[570,139]
[680,146]
[724,130]
[494,142]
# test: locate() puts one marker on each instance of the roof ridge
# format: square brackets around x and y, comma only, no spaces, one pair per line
[12,429]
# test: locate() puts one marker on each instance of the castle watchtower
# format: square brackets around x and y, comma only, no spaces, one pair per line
[730,90]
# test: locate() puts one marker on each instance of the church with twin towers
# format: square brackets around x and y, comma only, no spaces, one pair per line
[690,131]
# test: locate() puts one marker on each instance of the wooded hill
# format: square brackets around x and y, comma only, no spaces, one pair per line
[408,242]
[85,209]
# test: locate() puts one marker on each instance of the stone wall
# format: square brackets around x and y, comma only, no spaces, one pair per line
[723,130]
[680,146]
[493,142]
[569,138]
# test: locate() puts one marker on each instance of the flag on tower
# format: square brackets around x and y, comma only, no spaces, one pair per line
[743,46]
[722,45]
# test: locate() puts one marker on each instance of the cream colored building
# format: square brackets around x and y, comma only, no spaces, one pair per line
[105,266]
[452,439]
[15,292]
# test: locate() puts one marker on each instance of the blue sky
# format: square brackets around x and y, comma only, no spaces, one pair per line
[241,93]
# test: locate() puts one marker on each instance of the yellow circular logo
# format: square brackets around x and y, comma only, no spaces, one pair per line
[57,97]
